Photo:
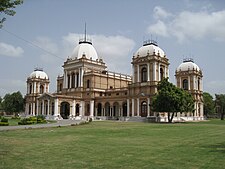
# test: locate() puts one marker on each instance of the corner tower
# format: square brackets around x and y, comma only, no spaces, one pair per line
[37,84]
[189,77]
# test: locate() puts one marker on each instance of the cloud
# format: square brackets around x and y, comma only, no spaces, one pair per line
[188,25]
[215,87]
[159,13]
[50,49]
[115,50]
[12,85]
[9,50]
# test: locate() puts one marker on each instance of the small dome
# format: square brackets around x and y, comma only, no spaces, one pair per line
[188,65]
[38,73]
[84,49]
[149,48]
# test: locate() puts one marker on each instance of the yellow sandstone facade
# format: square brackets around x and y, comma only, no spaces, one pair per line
[87,89]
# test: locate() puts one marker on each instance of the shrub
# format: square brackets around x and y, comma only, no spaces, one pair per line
[42,117]
[15,117]
[4,120]
[90,120]
[4,124]
[26,121]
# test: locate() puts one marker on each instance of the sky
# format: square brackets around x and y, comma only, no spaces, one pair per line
[44,33]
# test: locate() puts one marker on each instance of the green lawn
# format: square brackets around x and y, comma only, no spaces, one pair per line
[116,145]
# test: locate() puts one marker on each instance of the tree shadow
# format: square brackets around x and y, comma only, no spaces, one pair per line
[218,148]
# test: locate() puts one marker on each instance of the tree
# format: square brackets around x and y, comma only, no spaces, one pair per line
[0,103]
[172,99]
[220,104]
[6,7]
[13,103]
[209,105]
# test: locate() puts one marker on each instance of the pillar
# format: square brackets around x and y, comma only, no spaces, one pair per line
[92,108]
[56,107]
[159,78]
[81,77]
[128,107]
[138,107]
[33,113]
[43,107]
[138,73]
[48,107]
[132,107]
[37,107]
[154,71]
[70,80]
[34,87]
[189,83]
[148,72]
[148,107]
[74,108]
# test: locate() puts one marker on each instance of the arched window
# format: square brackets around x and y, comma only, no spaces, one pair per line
[144,75]
[198,83]
[60,87]
[143,109]
[68,81]
[41,89]
[73,81]
[185,84]
[88,83]
[77,80]
[30,88]
[161,74]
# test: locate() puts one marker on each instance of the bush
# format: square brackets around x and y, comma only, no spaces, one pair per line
[4,124]
[90,120]
[16,117]
[26,121]
[42,117]
[4,120]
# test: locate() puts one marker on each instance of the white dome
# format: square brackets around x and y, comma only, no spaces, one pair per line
[188,65]
[84,48]
[38,74]
[149,48]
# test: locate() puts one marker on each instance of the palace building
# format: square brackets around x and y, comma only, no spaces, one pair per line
[87,89]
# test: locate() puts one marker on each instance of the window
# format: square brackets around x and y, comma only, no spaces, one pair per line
[143,109]
[68,81]
[144,75]
[77,80]
[30,89]
[60,87]
[161,74]
[88,83]
[198,83]
[73,80]
[185,84]
[41,89]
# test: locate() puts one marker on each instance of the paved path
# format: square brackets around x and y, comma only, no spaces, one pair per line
[58,123]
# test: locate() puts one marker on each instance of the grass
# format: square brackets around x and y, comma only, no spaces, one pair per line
[116,145]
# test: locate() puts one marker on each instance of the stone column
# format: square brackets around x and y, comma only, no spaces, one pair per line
[43,107]
[138,73]
[33,113]
[37,107]
[66,80]
[128,107]
[74,108]
[148,107]
[34,87]
[81,77]
[154,71]
[132,107]
[189,83]
[159,72]
[56,107]
[48,107]
[27,109]
[133,70]
[92,108]
[148,70]
[71,80]
[181,83]
[138,107]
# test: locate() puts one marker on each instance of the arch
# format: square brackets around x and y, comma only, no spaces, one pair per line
[77,109]
[99,109]
[125,109]
[87,112]
[144,109]
[144,74]
[41,89]
[107,109]
[115,109]
[65,110]
[161,73]
[185,84]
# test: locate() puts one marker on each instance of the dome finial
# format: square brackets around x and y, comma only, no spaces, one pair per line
[85,39]
[85,32]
